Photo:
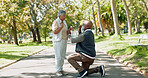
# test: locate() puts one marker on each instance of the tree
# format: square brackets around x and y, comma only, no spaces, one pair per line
[31,28]
[94,18]
[145,25]
[99,17]
[139,14]
[14,30]
[145,6]
[106,17]
[11,12]
[128,18]
[114,13]
[38,9]
[33,13]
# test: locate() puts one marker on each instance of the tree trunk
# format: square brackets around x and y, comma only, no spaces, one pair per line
[34,35]
[138,28]
[14,31]
[45,33]
[36,25]
[113,28]
[38,35]
[34,15]
[95,27]
[99,16]
[115,18]
[33,32]
[128,18]
[10,37]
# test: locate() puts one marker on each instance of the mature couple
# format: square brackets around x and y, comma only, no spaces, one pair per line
[85,47]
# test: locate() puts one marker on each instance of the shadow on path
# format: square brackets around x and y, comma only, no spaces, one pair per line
[42,65]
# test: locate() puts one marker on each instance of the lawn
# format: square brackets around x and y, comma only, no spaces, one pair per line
[12,52]
[138,55]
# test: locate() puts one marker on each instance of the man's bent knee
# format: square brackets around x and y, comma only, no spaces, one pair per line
[69,58]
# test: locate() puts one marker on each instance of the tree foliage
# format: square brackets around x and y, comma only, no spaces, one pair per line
[37,16]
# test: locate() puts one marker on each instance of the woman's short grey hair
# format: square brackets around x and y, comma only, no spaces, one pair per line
[61,12]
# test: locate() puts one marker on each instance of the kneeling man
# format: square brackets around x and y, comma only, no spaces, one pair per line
[85,52]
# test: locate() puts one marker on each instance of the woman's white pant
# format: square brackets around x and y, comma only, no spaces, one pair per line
[60,52]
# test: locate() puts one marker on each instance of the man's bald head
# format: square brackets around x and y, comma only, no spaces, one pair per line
[88,24]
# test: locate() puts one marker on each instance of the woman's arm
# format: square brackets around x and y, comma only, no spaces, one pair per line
[56,31]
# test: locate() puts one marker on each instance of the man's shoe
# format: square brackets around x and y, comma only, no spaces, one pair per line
[82,74]
[59,73]
[102,71]
[64,73]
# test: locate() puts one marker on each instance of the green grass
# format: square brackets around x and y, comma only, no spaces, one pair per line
[12,52]
[47,43]
[120,46]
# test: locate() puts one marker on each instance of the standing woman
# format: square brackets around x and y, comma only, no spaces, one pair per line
[60,37]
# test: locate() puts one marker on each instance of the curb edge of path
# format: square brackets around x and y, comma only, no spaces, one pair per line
[8,64]
[128,64]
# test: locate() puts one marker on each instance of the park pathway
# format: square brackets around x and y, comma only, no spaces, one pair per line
[41,65]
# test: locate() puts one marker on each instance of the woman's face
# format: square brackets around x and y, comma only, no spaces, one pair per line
[62,17]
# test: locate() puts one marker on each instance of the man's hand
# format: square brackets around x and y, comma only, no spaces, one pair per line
[69,30]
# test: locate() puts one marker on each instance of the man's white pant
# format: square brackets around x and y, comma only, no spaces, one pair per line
[60,52]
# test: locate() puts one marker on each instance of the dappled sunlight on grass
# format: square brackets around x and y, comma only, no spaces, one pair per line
[121,47]
[117,52]
[100,38]
[9,52]
[48,43]
[140,57]
[10,56]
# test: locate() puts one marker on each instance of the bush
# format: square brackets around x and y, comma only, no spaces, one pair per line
[145,25]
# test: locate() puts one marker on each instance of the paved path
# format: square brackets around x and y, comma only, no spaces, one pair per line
[42,65]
